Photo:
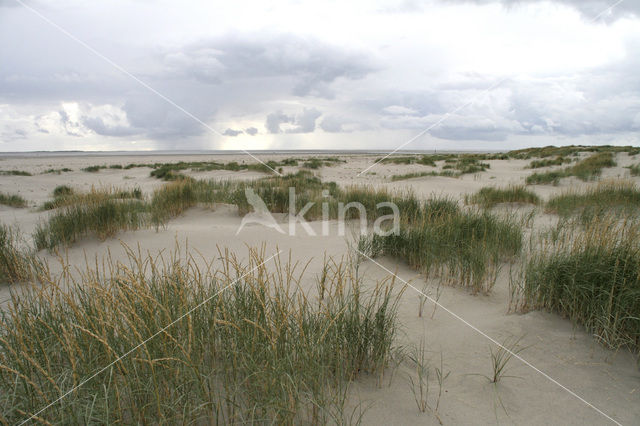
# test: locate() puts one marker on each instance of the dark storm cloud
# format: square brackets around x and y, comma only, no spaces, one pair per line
[157,119]
[274,120]
[311,64]
[200,77]
[98,125]
[304,122]
[232,132]
[332,124]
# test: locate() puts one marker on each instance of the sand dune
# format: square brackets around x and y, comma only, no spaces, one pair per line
[609,380]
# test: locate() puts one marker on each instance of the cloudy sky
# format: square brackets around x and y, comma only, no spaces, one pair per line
[483,74]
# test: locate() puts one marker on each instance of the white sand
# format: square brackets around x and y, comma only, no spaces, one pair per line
[608,380]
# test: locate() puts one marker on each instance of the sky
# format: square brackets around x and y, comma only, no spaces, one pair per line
[252,75]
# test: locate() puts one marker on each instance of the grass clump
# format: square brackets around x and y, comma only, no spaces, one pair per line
[406,176]
[316,162]
[12,200]
[618,196]
[591,167]
[468,164]
[93,169]
[558,161]
[100,213]
[16,263]
[14,173]
[240,344]
[62,195]
[425,160]
[489,196]
[634,170]
[590,274]
[171,171]
[547,178]
[442,239]
[172,200]
[57,171]
[313,163]
[455,165]
[62,191]
[587,169]
[570,150]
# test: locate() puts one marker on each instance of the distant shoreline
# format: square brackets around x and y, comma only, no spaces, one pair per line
[35,154]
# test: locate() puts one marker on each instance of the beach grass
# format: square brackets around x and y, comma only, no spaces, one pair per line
[12,200]
[15,173]
[94,169]
[64,195]
[172,171]
[444,173]
[16,262]
[557,161]
[153,340]
[589,274]
[488,197]
[569,151]
[57,171]
[100,212]
[466,246]
[634,170]
[395,178]
[425,160]
[608,197]
[588,169]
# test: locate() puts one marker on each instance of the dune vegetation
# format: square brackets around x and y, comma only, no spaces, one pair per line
[557,161]
[590,274]
[12,200]
[15,173]
[128,342]
[587,169]
[17,263]
[441,239]
[234,342]
[395,178]
[490,196]
[102,213]
[613,197]
[634,170]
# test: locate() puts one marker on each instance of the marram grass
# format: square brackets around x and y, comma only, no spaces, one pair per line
[16,263]
[588,169]
[589,274]
[101,213]
[259,349]
[12,200]
[467,246]
[489,196]
[607,196]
